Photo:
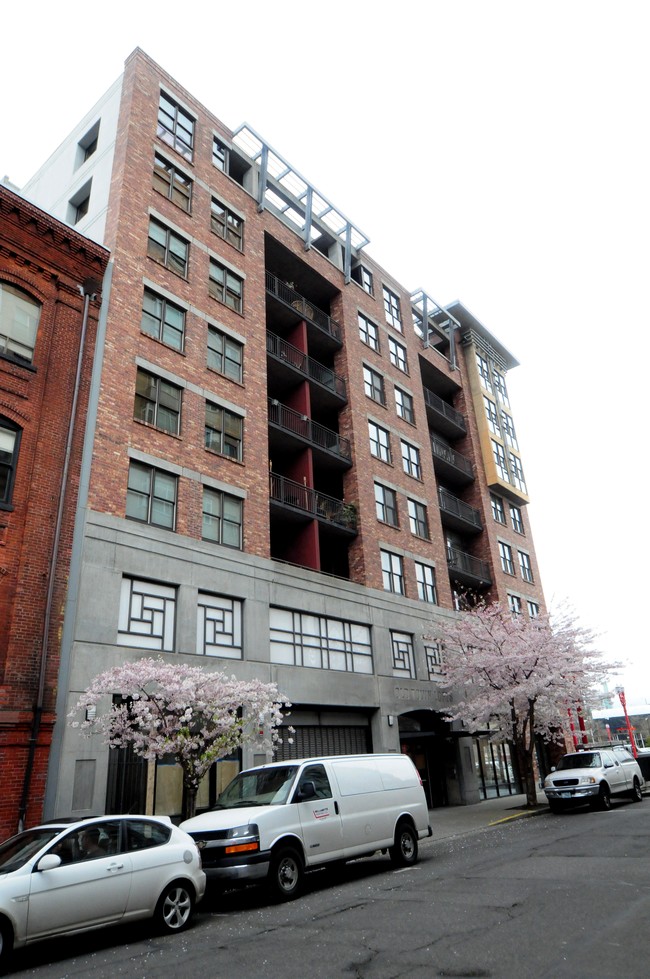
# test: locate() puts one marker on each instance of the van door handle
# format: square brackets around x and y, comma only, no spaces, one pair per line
[336,807]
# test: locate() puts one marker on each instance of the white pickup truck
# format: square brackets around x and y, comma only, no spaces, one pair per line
[593,776]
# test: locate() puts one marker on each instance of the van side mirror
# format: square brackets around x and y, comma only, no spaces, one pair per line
[306,791]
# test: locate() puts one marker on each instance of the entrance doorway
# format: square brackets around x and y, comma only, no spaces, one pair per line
[426,738]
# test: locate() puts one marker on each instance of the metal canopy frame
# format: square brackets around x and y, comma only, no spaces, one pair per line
[284,189]
[428,308]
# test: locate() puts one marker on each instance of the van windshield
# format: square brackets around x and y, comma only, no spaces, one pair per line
[258,787]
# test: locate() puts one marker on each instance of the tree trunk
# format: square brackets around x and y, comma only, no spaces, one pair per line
[527,773]
[189,801]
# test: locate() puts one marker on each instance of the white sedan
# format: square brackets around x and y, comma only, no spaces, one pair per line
[60,878]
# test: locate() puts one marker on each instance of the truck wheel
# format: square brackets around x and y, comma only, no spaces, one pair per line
[405,851]
[285,873]
[636,795]
[555,806]
[604,800]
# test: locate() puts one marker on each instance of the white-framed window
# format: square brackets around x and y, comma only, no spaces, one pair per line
[491,415]
[392,309]
[533,609]
[509,430]
[147,615]
[222,518]
[403,655]
[411,460]
[499,454]
[404,406]
[19,317]
[514,604]
[373,385]
[425,576]
[418,519]
[151,496]
[499,384]
[484,371]
[163,320]
[10,435]
[219,626]
[368,332]
[392,568]
[517,473]
[379,442]
[319,642]
[397,355]
[386,504]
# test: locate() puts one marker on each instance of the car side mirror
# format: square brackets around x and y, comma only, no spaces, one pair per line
[306,791]
[48,862]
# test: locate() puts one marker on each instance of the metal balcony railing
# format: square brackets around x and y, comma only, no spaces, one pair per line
[467,564]
[282,350]
[457,508]
[450,456]
[312,502]
[301,425]
[436,403]
[290,297]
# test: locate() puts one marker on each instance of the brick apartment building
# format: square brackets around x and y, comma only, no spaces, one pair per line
[296,464]
[49,274]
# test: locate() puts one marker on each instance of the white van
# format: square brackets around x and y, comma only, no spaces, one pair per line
[274,822]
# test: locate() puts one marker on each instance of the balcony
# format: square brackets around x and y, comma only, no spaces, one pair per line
[291,361]
[467,569]
[293,429]
[442,417]
[309,503]
[457,514]
[451,465]
[323,329]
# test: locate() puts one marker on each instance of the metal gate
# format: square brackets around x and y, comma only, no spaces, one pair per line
[313,739]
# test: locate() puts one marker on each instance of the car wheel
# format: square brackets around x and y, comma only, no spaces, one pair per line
[405,851]
[6,943]
[285,874]
[604,800]
[175,907]
[636,795]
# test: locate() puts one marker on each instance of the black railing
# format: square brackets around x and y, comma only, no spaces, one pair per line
[435,402]
[449,455]
[468,564]
[306,365]
[452,505]
[301,425]
[312,502]
[288,295]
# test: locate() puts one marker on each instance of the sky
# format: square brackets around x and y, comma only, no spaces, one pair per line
[493,151]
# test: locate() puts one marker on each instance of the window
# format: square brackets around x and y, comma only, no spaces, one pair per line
[434,660]
[509,430]
[87,145]
[368,332]
[363,276]
[397,354]
[175,126]
[319,642]
[224,431]
[218,626]
[514,604]
[225,286]
[151,496]
[499,384]
[147,614]
[404,406]
[79,205]
[168,248]
[228,225]
[484,371]
[19,316]
[386,505]
[220,155]
[525,567]
[222,518]
[403,654]
[411,460]
[500,460]
[517,472]
[418,520]
[9,442]
[505,553]
[492,416]
[392,310]
[517,519]
[533,609]
[373,385]
[498,509]
[392,569]
[225,355]
[163,320]
[172,183]
[379,442]
[157,402]
[425,576]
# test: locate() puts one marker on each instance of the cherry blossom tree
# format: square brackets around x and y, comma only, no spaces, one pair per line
[187,712]
[516,677]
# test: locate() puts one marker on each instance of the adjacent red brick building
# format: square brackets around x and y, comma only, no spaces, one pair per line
[50,289]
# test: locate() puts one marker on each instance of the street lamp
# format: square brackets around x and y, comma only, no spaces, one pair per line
[621,696]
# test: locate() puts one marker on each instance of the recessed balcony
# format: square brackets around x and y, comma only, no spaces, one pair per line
[289,307]
[457,514]
[467,569]
[291,364]
[306,503]
[288,429]
[442,417]
[451,465]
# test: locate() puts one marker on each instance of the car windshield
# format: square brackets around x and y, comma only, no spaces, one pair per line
[258,787]
[19,849]
[584,759]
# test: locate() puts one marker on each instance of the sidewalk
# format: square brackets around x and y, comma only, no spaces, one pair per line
[449,821]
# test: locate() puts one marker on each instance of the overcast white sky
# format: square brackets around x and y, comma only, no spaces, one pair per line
[493,152]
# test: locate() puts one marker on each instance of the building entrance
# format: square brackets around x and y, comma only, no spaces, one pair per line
[427,739]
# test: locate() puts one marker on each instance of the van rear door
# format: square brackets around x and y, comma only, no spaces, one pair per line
[320,819]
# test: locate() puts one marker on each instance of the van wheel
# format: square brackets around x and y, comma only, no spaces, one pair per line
[636,795]
[6,943]
[405,851]
[285,873]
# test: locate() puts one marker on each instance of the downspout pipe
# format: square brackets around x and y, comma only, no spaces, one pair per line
[88,290]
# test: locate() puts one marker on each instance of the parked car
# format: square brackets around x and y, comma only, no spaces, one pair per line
[593,777]
[60,878]
[274,822]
